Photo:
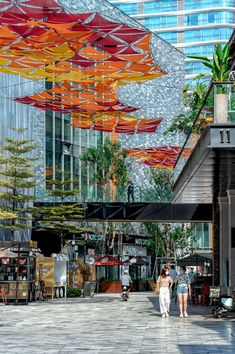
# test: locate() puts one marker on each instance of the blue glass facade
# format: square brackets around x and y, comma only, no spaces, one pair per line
[160,6]
[206,18]
[181,22]
[129,9]
[196,4]
[160,22]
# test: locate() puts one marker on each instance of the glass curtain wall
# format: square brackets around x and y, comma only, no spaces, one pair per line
[64,146]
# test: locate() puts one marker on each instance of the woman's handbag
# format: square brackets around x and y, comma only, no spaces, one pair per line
[157,289]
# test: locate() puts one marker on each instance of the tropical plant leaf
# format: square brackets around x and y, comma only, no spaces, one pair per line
[199,58]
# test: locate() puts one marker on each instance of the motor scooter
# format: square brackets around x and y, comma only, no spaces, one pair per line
[125,294]
[222,305]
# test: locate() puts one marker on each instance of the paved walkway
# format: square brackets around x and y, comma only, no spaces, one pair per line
[105,324]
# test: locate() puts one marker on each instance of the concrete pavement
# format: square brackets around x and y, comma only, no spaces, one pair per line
[105,324]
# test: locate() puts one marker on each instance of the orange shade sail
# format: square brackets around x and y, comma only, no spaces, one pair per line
[159,157]
[41,33]
[114,122]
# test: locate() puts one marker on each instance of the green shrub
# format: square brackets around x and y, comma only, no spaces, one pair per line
[74,292]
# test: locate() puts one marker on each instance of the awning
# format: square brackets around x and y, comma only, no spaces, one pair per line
[5,253]
[194,260]
[136,261]
[108,261]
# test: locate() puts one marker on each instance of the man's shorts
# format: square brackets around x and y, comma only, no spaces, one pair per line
[125,286]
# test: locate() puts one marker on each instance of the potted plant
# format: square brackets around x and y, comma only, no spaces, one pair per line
[151,283]
[219,66]
[193,98]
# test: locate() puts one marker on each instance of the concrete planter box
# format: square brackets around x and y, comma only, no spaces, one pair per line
[221,108]
[110,286]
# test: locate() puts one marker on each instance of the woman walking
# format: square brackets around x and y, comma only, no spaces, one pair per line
[164,284]
[183,291]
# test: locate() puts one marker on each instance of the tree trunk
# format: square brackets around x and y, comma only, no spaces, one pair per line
[168,241]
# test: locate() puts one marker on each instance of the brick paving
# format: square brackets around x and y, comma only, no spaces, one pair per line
[105,324]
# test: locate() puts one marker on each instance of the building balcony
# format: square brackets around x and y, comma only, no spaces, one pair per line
[203,168]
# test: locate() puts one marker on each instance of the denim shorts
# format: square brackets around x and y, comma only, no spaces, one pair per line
[182,289]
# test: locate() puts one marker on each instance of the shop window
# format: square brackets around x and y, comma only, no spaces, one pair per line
[199,235]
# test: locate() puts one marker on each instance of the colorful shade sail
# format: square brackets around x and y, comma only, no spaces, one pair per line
[67,98]
[38,40]
[118,123]
[160,157]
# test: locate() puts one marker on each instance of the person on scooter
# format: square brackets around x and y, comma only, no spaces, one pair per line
[126,280]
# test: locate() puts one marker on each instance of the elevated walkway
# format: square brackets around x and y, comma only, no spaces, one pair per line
[141,212]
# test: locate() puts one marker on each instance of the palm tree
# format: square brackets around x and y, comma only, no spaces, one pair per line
[219,65]
[109,165]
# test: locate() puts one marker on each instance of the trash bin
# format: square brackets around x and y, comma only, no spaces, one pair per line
[89,288]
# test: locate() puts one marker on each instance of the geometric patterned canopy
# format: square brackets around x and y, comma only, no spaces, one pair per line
[114,122]
[38,40]
[68,98]
[159,157]
[86,55]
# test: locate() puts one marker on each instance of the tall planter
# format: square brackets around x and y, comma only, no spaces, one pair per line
[221,108]
[110,286]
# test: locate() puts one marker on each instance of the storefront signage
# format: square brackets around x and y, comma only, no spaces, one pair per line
[134,250]
[141,241]
[93,237]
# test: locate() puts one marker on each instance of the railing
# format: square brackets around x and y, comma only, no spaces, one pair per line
[218,107]
[141,194]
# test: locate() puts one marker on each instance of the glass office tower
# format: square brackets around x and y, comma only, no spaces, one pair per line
[192,26]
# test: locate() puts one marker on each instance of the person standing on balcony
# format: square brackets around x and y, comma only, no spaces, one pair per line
[130,191]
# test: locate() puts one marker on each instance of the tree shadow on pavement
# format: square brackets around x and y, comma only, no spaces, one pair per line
[207,349]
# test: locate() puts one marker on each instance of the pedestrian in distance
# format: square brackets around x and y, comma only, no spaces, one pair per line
[183,291]
[173,275]
[192,276]
[130,191]
[164,285]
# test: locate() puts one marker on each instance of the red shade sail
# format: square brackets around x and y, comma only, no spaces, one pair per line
[44,33]
[115,122]
[159,157]
[40,41]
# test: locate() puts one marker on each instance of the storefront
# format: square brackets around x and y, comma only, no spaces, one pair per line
[17,274]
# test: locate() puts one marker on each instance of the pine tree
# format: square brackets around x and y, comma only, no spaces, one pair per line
[61,217]
[16,184]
